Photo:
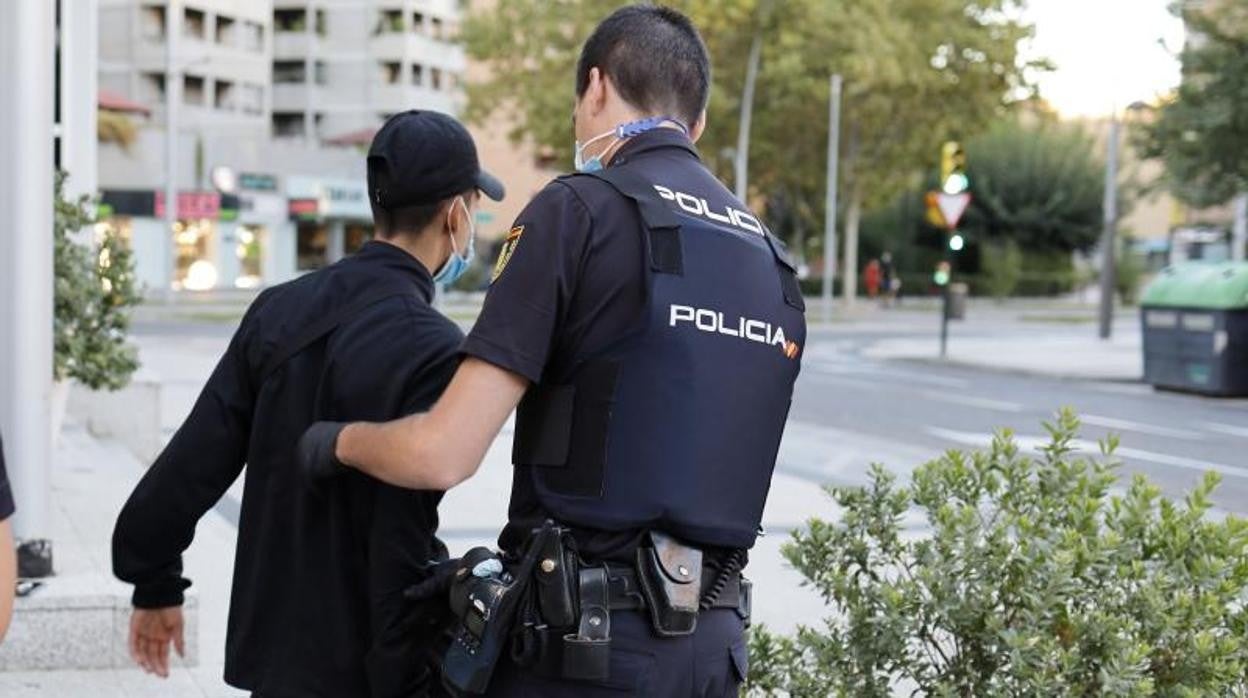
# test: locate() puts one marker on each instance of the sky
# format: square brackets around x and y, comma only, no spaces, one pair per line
[1106,52]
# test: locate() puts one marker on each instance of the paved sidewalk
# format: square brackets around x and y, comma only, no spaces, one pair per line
[91,480]
[1064,355]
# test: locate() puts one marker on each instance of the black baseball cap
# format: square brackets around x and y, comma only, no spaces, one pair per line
[423,157]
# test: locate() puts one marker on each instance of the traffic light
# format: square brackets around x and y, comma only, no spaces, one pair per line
[953,179]
[957,242]
[943,271]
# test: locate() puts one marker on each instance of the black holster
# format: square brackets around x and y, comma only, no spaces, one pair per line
[671,582]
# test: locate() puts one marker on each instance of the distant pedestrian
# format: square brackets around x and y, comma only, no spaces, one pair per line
[871,278]
[888,278]
[8,554]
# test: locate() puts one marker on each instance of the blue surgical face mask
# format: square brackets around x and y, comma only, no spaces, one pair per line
[456,265]
[621,133]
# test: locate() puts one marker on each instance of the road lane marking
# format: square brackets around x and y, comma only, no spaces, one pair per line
[982,403]
[1128,425]
[1228,429]
[1036,444]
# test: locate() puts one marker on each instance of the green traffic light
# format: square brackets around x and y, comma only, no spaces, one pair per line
[941,278]
[957,242]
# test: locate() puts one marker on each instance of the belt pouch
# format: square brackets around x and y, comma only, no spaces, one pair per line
[553,578]
[587,654]
[671,580]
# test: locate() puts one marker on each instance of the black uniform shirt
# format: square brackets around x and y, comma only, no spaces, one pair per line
[317,606]
[573,284]
[6,493]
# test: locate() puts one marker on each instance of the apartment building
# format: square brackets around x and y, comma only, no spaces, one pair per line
[341,66]
[223,58]
[278,98]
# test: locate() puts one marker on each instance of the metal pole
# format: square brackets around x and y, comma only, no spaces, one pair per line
[1239,233]
[829,216]
[1108,241]
[79,94]
[742,163]
[173,102]
[26,95]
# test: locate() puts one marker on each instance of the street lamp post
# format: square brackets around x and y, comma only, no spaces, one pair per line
[173,101]
[829,219]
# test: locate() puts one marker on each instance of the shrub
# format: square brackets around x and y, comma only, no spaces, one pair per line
[94,288]
[1001,268]
[1035,580]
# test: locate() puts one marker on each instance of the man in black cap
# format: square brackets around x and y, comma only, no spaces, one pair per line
[317,606]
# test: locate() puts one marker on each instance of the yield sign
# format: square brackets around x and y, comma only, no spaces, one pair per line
[952,206]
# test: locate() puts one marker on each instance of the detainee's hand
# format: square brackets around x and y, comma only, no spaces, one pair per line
[151,633]
[317,455]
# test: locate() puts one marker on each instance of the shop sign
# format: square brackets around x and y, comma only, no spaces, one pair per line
[191,205]
[335,198]
[251,181]
[261,206]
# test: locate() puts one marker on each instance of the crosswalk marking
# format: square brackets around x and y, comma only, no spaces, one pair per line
[1036,444]
[1228,429]
[1128,425]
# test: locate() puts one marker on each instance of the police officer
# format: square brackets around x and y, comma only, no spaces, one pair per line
[649,328]
[317,607]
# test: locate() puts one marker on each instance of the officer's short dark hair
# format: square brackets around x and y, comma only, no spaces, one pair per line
[654,57]
[409,220]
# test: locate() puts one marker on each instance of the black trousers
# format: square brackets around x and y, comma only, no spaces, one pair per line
[711,663]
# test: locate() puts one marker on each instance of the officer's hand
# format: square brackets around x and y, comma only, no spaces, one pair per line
[439,576]
[151,633]
[317,455]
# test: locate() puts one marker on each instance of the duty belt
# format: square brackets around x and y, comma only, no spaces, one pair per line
[624,591]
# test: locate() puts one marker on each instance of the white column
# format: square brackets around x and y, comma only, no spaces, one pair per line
[26,50]
[152,241]
[79,94]
[227,263]
[337,240]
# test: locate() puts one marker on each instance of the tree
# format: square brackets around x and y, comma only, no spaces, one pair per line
[1201,133]
[1040,186]
[916,72]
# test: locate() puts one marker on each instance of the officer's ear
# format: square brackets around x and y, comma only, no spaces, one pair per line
[595,97]
[698,127]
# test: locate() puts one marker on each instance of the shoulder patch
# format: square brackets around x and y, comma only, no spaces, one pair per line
[505,252]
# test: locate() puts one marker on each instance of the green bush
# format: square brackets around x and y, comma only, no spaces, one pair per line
[94,289]
[1035,580]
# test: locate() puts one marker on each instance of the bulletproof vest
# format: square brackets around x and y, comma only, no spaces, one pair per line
[676,426]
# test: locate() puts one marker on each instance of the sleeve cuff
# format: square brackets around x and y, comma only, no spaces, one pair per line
[486,350]
[162,594]
[6,499]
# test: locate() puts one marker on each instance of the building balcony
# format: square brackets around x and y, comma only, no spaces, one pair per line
[294,44]
[417,48]
[291,96]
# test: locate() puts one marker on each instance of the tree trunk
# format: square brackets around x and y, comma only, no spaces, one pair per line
[742,164]
[853,215]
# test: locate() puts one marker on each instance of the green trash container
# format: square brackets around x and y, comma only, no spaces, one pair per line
[1195,320]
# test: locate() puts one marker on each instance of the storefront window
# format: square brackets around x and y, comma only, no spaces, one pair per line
[250,251]
[193,241]
[357,235]
[312,246]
